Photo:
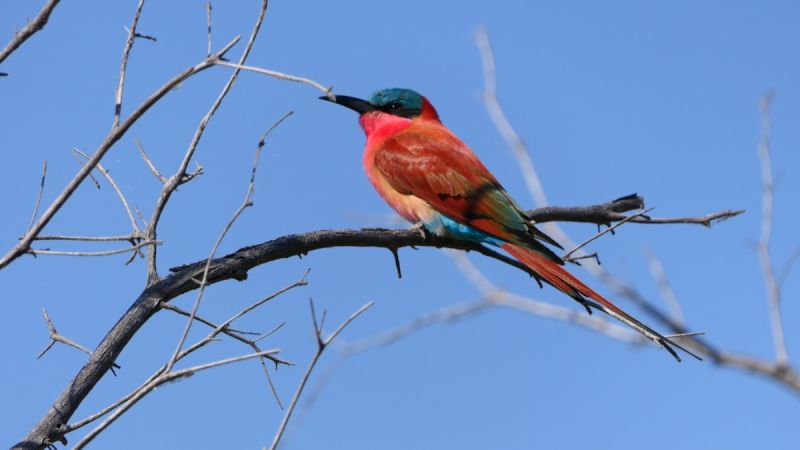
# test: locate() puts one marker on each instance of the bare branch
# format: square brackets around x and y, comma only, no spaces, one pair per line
[160,380]
[246,203]
[323,344]
[500,297]
[789,265]
[149,163]
[494,297]
[208,14]
[29,29]
[610,212]
[132,248]
[281,76]
[782,374]
[223,328]
[104,172]
[767,201]
[41,193]
[601,233]
[237,334]
[516,143]
[233,266]
[55,337]
[46,237]
[706,221]
[124,64]
[657,270]
[180,175]
[232,332]
[24,243]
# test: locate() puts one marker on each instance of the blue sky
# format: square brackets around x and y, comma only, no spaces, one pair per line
[658,98]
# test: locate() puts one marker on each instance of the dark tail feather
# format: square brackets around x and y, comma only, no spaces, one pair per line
[565,282]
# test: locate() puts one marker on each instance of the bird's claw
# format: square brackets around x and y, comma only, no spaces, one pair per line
[420,228]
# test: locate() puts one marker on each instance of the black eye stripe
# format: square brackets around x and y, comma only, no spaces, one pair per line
[399,109]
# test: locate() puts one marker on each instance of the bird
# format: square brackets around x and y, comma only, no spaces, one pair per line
[434,180]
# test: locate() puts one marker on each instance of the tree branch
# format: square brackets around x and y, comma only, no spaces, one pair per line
[322,344]
[233,266]
[113,136]
[610,212]
[767,201]
[29,29]
[124,64]
[171,184]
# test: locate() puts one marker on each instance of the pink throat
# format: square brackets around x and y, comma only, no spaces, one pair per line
[376,124]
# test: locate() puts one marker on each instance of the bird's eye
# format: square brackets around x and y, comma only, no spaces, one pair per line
[395,106]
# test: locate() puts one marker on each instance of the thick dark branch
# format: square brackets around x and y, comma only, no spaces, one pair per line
[233,266]
[29,30]
[603,213]
[613,211]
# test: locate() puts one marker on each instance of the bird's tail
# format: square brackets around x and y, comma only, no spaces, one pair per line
[565,282]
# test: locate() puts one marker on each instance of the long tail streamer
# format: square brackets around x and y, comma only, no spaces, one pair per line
[564,281]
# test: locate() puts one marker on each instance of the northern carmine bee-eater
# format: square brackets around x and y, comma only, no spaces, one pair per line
[431,178]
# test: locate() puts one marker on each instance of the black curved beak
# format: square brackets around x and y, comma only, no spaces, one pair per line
[356,104]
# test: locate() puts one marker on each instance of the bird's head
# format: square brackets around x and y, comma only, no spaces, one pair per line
[388,103]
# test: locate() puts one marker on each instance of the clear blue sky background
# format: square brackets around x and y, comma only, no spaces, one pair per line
[658,98]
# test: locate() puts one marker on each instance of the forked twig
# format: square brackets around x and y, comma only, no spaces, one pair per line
[246,203]
[134,226]
[166,377]
[322,344]
[124,64]
[610,229]
[55,337]
[113,136]
[181,176]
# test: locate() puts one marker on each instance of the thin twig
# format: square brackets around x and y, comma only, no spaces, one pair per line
[232,332]
[55,337]
[281,76]
[601,233]
[657,270]
[167,377]
[322,344]
[132,248]
[500,297]
[86,421]
[503,125]
[208,14]
[493,298]
[223,328]
[29,29]
[767,201]
[24,243]
[613,211]
[124,64]
[706,221]
[41,193]
[788,265]
[134,226]
[149,163]
[60,237]
[246,203]
[180,175]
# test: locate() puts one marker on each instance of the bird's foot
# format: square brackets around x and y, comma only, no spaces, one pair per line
[420,228]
